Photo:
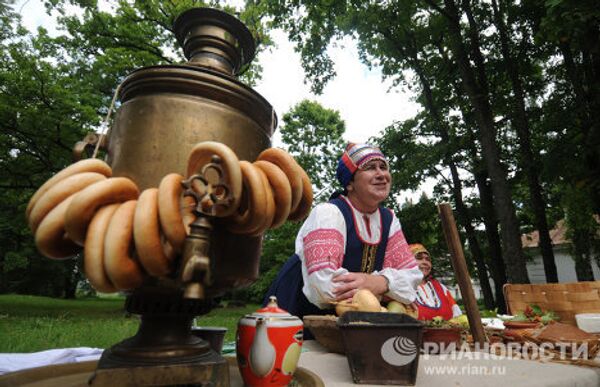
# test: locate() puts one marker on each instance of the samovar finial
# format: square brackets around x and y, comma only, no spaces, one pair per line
[214,39]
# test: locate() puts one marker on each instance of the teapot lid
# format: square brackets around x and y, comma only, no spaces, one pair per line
[272,311]
[273,308]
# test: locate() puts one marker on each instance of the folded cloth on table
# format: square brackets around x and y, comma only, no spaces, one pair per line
[493,323]
[11,362]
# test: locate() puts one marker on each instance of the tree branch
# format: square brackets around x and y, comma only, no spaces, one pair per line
[441,10]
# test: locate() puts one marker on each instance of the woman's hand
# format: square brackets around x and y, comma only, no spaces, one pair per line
[347,284]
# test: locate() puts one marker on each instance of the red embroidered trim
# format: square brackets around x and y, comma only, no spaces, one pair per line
[323,248]
[356,225]
[398,254]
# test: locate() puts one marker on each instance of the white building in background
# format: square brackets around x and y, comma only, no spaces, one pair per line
[565,265]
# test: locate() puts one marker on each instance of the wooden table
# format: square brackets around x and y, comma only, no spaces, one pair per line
[438,371]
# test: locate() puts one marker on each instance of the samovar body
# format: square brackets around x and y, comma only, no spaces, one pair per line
[166,110]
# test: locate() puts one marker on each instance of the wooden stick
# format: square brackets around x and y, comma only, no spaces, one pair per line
[460,270]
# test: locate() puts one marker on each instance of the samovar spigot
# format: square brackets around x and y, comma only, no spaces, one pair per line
[210,191]
[195,264]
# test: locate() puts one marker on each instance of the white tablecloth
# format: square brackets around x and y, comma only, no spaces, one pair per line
[434,370]
[11,362]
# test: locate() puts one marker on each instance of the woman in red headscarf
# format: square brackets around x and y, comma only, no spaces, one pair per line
[433,298]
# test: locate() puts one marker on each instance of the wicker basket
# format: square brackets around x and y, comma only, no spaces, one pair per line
[566,300]
[326,332]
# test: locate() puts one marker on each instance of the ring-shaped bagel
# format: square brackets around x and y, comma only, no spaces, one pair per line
[86,203]
[270,209]
[305,205]
[282,191]
[169,198]
[250,213]
[86,165]
[147,235]
[290,167]
[202,154]
[50,237]
[122,269]
[93,251]
[59,192]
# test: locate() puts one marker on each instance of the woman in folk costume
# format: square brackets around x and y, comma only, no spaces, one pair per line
[349,243]
[433,298]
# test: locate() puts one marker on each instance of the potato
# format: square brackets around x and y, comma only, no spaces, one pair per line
[345,306]
[366,301]
[363,301]
[397,307]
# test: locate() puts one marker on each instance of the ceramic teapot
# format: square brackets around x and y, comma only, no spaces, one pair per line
[268,346]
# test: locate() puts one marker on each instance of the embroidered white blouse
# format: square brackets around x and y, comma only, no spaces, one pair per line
[321,244]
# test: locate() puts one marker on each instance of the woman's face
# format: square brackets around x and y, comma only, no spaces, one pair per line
[424,262]
[371,185]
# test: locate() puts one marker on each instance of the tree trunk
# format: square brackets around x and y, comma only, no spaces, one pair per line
[490,222]
[496,262]
[2,275]
[70,280]
[528,162]
[462,210]
[587,111]
[465,219]
[511,238]
[497,267]
[583,268]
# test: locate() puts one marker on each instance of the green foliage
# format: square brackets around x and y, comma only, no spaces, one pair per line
[44,110]
[420,224]
[313,135]
[278,246]
[534,313]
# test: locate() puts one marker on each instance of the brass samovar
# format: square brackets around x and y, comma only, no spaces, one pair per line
[166,110]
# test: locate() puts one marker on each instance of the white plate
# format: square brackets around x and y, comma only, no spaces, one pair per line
[589,322]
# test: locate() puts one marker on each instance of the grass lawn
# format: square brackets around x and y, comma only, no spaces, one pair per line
[32,323]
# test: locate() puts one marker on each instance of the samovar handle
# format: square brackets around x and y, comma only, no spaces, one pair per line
[90,143]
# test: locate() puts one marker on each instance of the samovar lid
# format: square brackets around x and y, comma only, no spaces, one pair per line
[213,38]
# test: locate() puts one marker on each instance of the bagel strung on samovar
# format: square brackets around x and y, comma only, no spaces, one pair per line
[51,238]
[250,214]
[147,236]
[306,201]
[93,252]
[291,169]
[59,192]
[269,214]
[169,199]
[122,268]
[89,200]
[86,165]
[282,191]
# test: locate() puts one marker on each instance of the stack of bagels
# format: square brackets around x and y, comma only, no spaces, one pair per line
[127,235]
